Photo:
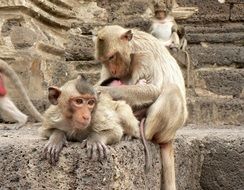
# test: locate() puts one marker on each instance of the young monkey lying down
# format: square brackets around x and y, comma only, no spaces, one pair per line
[78,113]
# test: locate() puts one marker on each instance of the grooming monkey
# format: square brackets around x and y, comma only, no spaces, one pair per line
[140,115]
[78,113]
[6,104]
[132,55]
[165,28]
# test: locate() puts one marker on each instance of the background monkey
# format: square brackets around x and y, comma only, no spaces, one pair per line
[165,28]
[132,55]
[7,106]
[77,113]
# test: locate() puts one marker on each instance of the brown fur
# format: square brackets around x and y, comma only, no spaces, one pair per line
[164,92]
[109,120]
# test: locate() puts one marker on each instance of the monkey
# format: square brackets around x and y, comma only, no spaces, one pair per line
[79,113]
[113,81]
[7,105]
[165,28]
[132,55]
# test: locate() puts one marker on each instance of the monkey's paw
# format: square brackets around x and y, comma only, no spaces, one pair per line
[96,150]
[127,137]
[51,152]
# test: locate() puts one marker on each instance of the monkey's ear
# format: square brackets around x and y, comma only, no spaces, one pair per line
[127,35]
[53,94]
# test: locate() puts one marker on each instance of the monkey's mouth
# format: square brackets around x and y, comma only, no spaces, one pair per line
[81,124]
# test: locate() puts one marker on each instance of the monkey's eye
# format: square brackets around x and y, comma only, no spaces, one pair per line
[91,102]
[79,101]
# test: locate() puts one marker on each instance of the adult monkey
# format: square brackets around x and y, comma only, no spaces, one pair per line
[131,56]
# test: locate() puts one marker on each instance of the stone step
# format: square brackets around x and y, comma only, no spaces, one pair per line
[206,159]
[215,33]
[210,158]
[225,81]
[215,110]
[212,11]
[217,55]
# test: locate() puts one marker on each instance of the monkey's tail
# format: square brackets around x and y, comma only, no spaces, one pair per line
[188,68]
[148,157]
[10,73]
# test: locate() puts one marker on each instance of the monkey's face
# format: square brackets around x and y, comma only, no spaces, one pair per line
[160,15]
[82,107]
[116,66]
[113,49]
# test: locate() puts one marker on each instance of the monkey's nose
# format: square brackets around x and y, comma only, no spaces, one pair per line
[85,117]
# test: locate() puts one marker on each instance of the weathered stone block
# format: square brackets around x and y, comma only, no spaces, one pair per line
[210,159]
[234,1]
[22,37]
[208,10]
[222,81]
[237,13]
[231,33]
[79,48]
[217,54]
[207,110]
[22,166]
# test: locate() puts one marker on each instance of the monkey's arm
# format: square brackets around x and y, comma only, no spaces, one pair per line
[54,146]
[175,37]
[135,95]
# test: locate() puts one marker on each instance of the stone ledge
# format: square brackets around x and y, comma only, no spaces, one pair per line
[206,159]
[217,110]
[210,158]
[22,167]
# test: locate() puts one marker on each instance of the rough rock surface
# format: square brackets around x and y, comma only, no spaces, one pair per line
[22,165]
[206,159]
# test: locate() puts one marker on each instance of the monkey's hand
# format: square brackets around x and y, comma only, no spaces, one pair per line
[127,137]
[54,146]
[96,149]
